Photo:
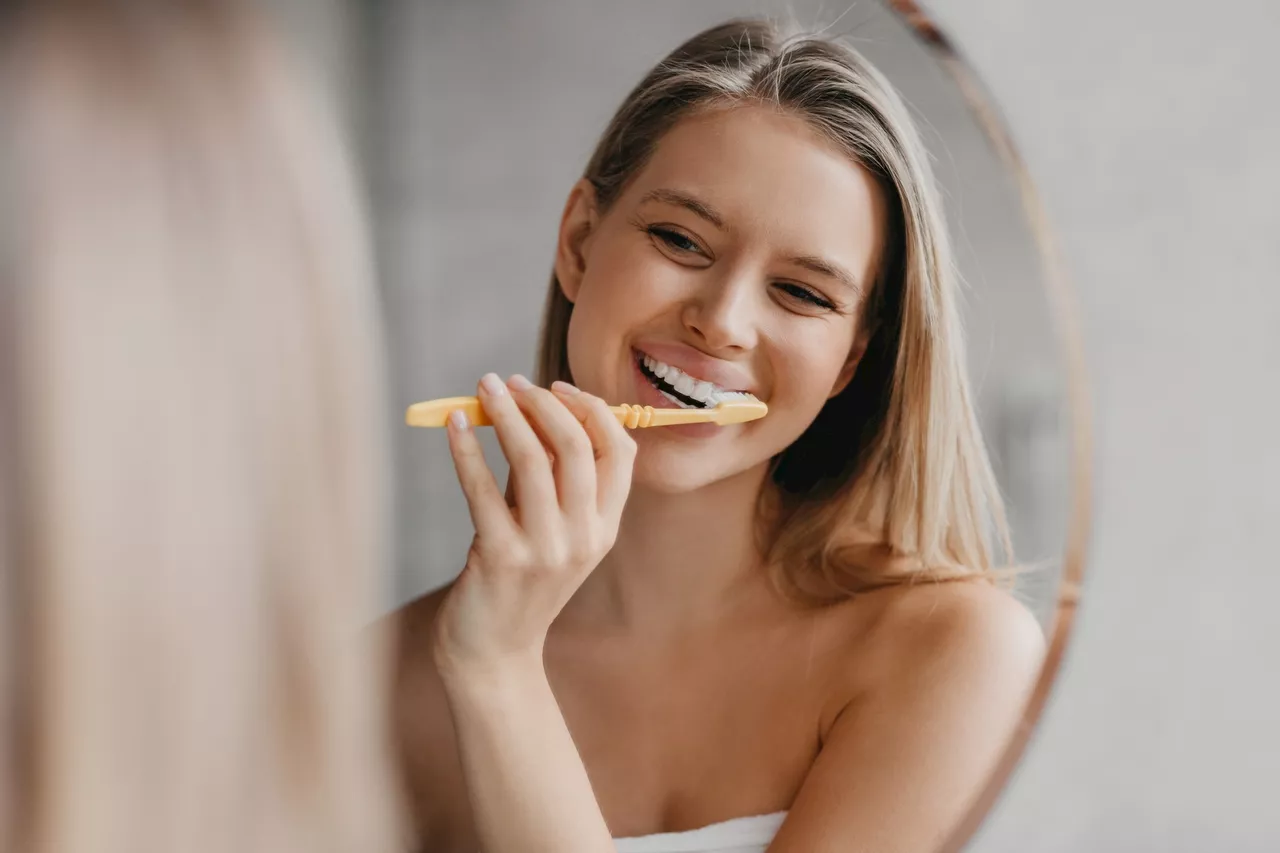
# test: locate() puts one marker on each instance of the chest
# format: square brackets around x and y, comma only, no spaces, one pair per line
[693,734]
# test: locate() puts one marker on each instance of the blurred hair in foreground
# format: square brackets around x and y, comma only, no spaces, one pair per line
[190,489]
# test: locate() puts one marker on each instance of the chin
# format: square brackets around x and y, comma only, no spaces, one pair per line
[682,473]
[671,476]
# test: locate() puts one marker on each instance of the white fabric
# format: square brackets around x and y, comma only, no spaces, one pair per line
[740,835]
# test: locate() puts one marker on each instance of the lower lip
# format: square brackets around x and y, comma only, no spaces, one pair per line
[648,395]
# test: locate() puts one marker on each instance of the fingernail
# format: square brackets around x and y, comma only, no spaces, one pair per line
[493,385]
[563,387]
[519,383]
[458,419]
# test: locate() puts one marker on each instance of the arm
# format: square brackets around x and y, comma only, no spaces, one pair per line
[527,785]
[529,789]
[502,730]
[911,748]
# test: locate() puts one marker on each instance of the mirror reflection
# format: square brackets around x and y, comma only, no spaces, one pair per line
[814,630]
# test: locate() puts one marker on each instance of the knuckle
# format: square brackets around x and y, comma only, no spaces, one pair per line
[557,557]
[584,550]
[579,442]
[624,452]
[603,541]
[517,556]
[500,408]
[552,549]
[504,557]
[539,396]
[545,404]
[525,455]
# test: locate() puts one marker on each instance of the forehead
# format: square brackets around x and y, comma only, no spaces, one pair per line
[773,179]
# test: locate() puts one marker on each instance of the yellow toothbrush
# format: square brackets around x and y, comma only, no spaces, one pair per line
[435,413]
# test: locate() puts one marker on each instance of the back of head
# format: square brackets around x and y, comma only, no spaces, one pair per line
[190,521]
[892,482]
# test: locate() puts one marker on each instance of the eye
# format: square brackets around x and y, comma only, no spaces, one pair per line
[803,294]
[674,240]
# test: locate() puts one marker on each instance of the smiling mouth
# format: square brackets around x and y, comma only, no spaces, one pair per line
[682,389]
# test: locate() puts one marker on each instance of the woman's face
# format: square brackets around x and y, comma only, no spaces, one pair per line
[739,256]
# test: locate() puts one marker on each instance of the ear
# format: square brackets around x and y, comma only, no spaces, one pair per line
[577,224]
[850,367]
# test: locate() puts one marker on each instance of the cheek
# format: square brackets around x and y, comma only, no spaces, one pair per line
[622,291]
[631,280]
[813,360]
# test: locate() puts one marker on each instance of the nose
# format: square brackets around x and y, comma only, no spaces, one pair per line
[723,312]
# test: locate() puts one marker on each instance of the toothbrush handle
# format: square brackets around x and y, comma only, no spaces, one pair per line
[434,413]
[639,417]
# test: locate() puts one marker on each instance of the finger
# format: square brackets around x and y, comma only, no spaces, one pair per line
[489,512]
[532,480]
[614,448]
[571,447]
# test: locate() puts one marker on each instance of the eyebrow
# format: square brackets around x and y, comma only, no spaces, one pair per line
[700,208]
[828,269]
[686,201]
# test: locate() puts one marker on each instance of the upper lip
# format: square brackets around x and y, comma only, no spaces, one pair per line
[699,365]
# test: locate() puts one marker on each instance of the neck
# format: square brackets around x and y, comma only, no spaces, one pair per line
[679,560]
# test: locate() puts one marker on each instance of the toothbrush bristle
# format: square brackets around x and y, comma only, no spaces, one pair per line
[738,411]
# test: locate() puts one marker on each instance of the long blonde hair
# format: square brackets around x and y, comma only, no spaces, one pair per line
[891,483]
[192,504]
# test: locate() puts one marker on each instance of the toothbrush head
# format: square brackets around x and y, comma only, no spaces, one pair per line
[740,411]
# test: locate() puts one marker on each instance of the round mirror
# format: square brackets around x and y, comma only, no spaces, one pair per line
[737,227]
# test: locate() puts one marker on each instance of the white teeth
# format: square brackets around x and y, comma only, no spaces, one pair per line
[701,390]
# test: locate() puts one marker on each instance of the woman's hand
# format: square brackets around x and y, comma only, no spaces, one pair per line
[570,474]
[571,465]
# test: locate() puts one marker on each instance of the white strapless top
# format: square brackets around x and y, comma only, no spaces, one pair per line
[740,835]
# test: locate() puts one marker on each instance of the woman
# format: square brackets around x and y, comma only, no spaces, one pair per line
[783,633]
[190,491]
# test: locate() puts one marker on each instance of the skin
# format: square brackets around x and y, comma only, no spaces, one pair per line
[612,660]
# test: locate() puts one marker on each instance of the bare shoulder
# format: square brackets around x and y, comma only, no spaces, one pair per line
[970,627]
[933,683]
[422,724]
[967,645]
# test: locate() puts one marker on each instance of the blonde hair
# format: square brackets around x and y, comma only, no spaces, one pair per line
[191,518]
[891,482]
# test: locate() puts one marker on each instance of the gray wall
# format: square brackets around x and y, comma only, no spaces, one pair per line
[1151,129]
